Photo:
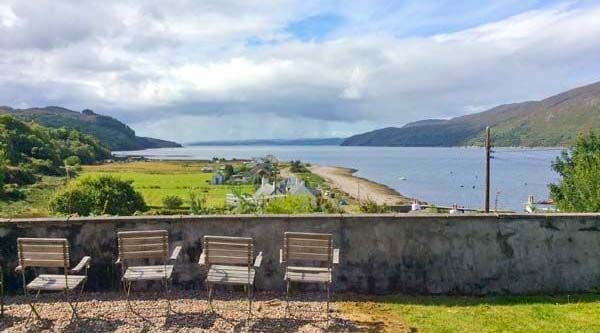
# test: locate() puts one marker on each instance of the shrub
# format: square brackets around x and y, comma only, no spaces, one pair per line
[197,204]
[290,204]
[172,202]
[19,176]
[371,207]
[73,200]
[579,188]
[297,167]
[72,161]
[98,196]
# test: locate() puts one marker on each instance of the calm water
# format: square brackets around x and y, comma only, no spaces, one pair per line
[438,175]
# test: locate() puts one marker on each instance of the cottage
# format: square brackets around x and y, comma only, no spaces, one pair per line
[290,185]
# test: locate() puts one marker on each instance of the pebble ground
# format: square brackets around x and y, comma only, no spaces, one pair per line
[109,312]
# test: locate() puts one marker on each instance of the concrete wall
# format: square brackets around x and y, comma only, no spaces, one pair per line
[430,254]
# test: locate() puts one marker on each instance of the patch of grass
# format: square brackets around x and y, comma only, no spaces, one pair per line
[36,199]
[156,180]
[562,313]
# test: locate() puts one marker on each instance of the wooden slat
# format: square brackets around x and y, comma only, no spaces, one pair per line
[228,260]
[307,256]
[126,241]
[229,250]
[43,252]
[224,239]
[42,241]
[141,273]
[308,277]
[45,256]
[229,253]
[308,249]
[308,235]
[223,274]
[143,234]
[143,254]
[143,247]
[43,263]
[55,282]
[308,269]
[27,247]
[307,242]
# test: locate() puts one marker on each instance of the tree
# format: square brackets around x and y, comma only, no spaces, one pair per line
[579,188]
[2,171]
[228,172]
[98,196]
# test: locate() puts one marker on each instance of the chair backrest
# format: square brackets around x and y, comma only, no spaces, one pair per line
[43,252]
[302,246]
[229,250]
[149,244]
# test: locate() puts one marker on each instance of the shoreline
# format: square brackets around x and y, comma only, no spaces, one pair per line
[359,188]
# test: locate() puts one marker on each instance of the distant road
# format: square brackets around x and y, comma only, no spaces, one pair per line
[359,188]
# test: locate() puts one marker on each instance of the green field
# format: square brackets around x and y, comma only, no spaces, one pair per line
[155,180]
[561,313]
[36,199]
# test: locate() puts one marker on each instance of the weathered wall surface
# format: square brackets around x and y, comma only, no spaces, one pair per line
[430,254]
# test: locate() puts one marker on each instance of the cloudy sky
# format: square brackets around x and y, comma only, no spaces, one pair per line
[239,69]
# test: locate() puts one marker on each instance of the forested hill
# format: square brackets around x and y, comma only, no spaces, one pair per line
[554,121]
[109,131]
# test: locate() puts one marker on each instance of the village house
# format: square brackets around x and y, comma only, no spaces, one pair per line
[288,186]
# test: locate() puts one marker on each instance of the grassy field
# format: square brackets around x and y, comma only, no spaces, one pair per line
[155,180]
[575,313]
[36,199]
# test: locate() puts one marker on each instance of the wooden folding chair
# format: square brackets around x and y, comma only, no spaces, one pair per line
[50,253]
[300,250]
[136,249]
[230,261]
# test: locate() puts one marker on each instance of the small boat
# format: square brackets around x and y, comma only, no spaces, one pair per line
[402,178]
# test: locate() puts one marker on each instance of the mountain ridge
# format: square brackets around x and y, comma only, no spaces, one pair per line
[552,121]
[111,132]
[273,142]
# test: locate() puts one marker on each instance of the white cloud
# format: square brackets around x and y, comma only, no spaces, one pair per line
[232,63]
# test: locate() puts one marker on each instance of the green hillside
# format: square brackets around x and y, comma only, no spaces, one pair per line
[554,121]
[110,132]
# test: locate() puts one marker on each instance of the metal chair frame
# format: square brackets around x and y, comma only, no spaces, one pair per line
[144,245]
[37,253]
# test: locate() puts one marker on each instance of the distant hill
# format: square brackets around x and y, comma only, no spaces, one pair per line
[273,142]
[554,121]
[109,131]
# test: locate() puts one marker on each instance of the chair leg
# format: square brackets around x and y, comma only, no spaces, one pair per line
[74,303]
[250,295]
[128,292]
[31,303]
[167,295]
[210,292]
[327,307]
[287,298]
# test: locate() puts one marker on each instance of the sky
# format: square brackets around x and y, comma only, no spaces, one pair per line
[258,69]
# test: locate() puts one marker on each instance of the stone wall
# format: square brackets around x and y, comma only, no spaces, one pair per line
[428,254]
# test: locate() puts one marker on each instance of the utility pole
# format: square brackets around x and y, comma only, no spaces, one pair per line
[487,169]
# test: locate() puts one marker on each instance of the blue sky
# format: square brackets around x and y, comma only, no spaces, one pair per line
[233,69]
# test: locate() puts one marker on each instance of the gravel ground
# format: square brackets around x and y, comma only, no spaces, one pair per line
[108,312]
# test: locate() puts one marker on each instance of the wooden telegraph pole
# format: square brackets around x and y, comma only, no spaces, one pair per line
[487,169]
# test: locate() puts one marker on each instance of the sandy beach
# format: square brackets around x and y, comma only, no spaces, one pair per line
[359,188]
